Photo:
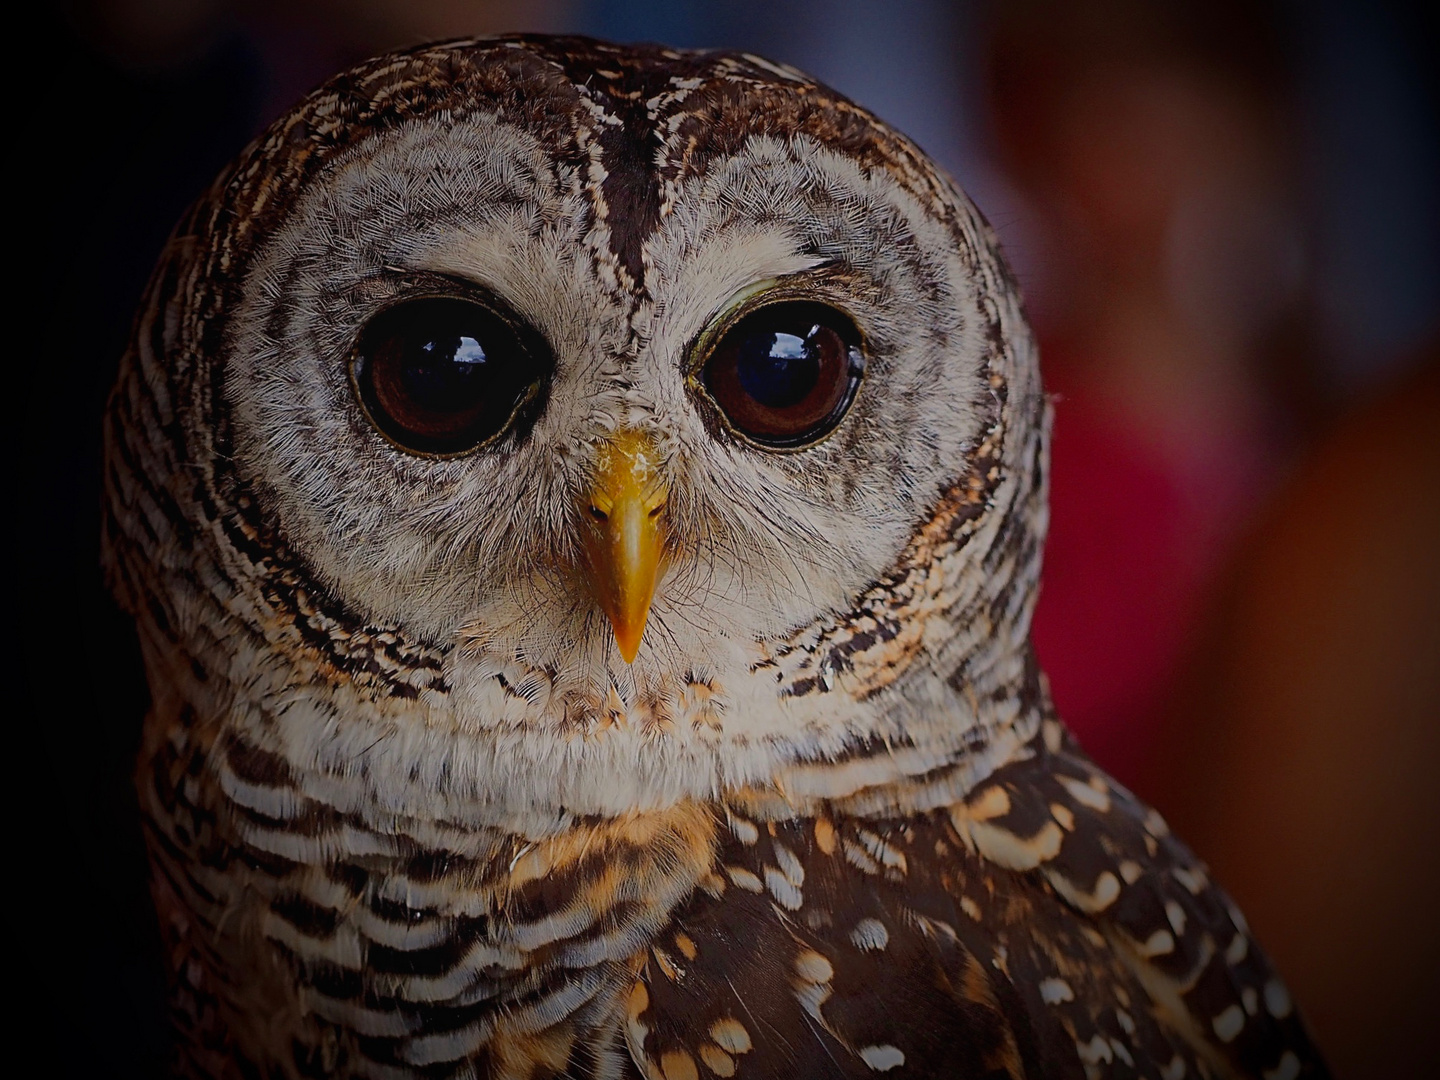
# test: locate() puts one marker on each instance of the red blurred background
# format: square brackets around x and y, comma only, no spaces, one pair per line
[1226,217]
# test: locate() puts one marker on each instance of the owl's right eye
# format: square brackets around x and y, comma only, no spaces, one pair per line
[443,376]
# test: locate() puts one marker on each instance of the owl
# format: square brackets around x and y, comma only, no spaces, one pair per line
[582,509]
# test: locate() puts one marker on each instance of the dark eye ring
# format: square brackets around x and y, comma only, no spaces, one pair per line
[444,375]
[783,375]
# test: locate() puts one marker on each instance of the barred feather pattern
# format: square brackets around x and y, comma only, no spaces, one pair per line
[957,892]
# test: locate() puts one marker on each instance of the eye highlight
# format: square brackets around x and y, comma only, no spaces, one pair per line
[785,374]
[444,375]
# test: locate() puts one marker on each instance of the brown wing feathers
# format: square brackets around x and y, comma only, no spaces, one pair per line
[1047,926]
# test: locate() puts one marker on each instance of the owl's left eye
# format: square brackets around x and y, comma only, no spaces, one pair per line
[442,375]
[785,374]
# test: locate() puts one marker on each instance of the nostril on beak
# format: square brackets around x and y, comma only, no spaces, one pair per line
[598,514]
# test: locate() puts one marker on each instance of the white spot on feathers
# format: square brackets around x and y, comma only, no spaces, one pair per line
[745,831]
[785,893]
[869,934]
[1277,999]
[744,879]
[1176,916]
[813,968]
[1229,1024]
[731,1035]
[1094,794]
[1054,991]
[882,1058]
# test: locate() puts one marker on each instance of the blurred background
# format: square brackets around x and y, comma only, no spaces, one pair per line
[1226,218]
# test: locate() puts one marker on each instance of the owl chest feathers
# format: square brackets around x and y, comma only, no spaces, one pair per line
[1041,924]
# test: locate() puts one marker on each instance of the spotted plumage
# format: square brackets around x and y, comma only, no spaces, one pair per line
[442,779]
[1045,925]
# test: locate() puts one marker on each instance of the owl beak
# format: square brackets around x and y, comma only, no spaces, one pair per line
[622,534]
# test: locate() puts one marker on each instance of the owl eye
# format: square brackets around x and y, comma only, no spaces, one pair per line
[785,375]
[441,375]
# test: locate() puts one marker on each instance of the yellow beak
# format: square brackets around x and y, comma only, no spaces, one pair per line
[623,534]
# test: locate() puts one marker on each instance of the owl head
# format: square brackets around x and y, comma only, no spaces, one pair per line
[571,412]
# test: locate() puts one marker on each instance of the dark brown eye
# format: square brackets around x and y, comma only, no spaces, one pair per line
[441,375]
[785,375]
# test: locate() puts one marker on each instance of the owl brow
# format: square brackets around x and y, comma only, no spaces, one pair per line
[828,267]
[419,277]
[834,271]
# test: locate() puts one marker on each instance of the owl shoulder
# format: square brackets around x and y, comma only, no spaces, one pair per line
[1046,925]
